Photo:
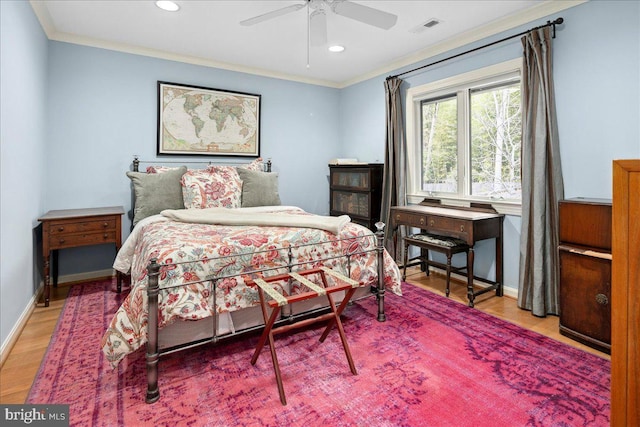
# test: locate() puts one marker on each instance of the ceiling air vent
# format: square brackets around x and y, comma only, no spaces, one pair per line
[429,23]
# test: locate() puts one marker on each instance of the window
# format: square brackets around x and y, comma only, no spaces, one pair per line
[464,138]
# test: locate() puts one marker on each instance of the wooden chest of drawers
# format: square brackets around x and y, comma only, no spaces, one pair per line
[70,228]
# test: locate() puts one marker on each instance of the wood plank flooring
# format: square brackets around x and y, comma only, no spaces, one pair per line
[21,366]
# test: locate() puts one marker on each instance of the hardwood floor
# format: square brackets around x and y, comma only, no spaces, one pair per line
[21,366]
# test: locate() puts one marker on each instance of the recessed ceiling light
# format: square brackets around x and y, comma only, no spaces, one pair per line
[336,48]
[169,6]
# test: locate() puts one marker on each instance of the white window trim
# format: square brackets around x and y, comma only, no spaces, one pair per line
[415,96]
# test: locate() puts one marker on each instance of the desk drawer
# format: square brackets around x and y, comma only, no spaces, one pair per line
[413,220]
[439,223]
[81,239]
[59,228]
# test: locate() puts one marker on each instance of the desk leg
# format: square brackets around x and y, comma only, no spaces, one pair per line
[499,263]
[47,279]
[470,258]
[54,267]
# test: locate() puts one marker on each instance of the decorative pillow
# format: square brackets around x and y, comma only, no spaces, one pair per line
[156,192]
[214,187]
[259,188]
[160,169]
[256,165]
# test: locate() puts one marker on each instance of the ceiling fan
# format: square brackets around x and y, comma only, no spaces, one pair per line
[317,16]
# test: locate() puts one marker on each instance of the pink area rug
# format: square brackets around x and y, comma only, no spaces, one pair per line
[434,362]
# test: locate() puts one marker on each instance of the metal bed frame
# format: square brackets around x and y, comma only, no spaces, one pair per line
[154,268]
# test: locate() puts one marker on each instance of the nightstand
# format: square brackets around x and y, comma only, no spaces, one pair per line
[71,228]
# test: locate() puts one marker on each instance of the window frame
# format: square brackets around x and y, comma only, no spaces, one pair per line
[454,86]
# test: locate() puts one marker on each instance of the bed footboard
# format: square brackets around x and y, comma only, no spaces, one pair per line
[153,289]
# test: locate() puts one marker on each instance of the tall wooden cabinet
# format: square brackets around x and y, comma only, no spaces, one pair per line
[625,339]
[585,271]
[356,190]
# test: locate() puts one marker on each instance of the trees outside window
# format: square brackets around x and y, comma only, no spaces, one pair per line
[464,137]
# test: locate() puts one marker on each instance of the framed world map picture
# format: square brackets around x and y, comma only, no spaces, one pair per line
[200,121]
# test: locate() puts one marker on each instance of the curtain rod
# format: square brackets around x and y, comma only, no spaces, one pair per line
[548,24]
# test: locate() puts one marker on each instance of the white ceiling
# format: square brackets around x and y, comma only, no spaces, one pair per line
[208,33]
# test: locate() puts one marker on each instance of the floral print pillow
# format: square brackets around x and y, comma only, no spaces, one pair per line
[256,165]
[214,187]
[160,169]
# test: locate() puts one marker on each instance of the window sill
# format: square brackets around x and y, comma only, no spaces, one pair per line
[506,208]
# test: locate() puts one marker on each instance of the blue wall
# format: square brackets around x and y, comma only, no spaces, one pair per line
[99,109]
[597,81]
[23,145]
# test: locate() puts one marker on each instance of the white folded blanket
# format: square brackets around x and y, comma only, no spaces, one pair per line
[225,216]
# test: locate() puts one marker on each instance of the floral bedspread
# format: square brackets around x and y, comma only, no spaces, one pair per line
[176,242]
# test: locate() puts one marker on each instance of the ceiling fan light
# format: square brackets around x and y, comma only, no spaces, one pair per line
[169,6]
[336,48]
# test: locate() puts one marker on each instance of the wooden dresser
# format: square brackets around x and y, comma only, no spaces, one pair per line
[70,228]
[356,190]
[585,271]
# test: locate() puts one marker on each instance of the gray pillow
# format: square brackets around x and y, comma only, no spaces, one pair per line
[155,192]
[259,188]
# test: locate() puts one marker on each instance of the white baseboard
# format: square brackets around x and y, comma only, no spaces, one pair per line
[13,336]
[507,291]
[82,277]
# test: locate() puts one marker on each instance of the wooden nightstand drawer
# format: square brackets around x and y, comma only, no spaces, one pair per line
[62,241]
[66,227]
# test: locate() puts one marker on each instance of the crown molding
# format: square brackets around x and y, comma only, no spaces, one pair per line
[540,11]
[47,25]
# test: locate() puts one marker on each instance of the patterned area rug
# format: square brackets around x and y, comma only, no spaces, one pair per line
[434,362]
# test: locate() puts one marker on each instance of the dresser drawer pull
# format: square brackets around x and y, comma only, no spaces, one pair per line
[105,225]
[61,241]
[602,299]
[106,236]
[462,228]
[60,228]
[432,222]
[421,221]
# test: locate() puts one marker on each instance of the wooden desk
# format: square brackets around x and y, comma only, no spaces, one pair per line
[468,224]
[70,228]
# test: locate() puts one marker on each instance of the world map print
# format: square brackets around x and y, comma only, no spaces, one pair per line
[203,121]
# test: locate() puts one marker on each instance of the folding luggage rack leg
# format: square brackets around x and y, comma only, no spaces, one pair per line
[277,300]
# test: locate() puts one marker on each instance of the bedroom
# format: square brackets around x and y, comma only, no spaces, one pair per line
[61,103]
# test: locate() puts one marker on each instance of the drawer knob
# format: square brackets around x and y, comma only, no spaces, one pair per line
[421,221]
[602,299]
[60,228]
[61,241]
[106,224]
[106,236]
[432,222]
[462,228]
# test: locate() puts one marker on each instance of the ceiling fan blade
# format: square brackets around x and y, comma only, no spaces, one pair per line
[365,14]
[318,27]
[272,14]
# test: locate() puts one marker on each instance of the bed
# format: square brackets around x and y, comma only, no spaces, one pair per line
[190,264]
